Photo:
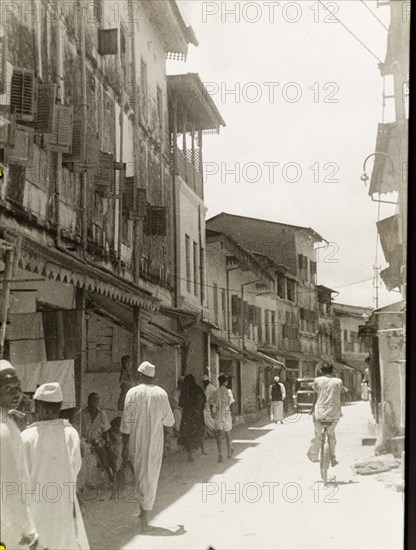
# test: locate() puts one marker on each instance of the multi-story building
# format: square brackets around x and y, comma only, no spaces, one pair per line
[389,184]
[87,209]
[354,351]
[289,251]
[236,280]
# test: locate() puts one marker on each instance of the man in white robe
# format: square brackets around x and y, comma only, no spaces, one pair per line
[53,456]
[16,520]
[209,421]
[146,412]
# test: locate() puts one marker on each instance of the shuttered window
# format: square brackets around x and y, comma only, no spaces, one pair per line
[60,139]
[22,94]
[22,152]
[3,64]
[108,41]
[104,177]
[8,130]
[46,108]
[156,220]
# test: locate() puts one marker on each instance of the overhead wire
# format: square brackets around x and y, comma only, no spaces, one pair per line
[374,15]
[350,32]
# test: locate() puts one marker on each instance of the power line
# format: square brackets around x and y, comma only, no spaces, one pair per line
[338,62]
[374,15]
[351,33]
[356,283]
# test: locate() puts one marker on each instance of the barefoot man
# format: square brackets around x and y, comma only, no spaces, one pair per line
[146,412]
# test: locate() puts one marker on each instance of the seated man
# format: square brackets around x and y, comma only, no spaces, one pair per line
[326,410]
[94,427]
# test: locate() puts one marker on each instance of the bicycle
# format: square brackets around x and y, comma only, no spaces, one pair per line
[325,457]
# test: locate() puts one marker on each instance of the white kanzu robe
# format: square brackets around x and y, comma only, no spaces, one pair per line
[53,455]
[16,518]
[146,411]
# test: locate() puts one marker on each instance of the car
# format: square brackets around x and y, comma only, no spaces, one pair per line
[304,394]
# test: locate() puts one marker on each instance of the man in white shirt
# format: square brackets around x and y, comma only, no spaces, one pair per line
[16,520]
[221,401]
[326,410]
[53,456]
[277,394]
[146,412]
[209,421]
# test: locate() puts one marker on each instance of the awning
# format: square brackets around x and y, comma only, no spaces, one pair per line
[356,364]
[59,266]
[271,360]
[306,358]
[122,315]
[386,177]
[342,366]
[225,349]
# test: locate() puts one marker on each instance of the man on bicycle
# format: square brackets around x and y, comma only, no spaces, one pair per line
[326,411]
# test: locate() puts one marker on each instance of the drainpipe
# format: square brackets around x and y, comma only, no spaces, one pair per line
[176,240]
[58,172]
[84,175]
[136,145]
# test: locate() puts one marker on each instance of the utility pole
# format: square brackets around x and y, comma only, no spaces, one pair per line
[376,284]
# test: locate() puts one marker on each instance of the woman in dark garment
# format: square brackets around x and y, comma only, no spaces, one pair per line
[192,429]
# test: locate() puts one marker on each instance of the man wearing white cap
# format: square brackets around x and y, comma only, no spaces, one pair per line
[277,394]
[209,421]
[53,456]
[146,412]
[17,525]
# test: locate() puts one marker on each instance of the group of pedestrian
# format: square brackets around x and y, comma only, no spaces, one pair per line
[39,468]
[40,465]
[204,414]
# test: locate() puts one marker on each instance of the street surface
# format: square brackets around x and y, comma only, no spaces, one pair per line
[267,496]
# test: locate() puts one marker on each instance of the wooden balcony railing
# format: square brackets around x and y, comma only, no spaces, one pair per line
[189,173]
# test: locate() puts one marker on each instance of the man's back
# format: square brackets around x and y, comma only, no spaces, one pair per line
[146,411]
[328,403]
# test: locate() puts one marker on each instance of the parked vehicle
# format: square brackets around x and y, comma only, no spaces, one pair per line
[304,394]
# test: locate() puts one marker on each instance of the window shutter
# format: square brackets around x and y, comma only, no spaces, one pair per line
[104,177]
[22,94]
[60,140]
[234,305]
[22,152]
[3,64]
[108,41]
[8,130]
[46,108]
[252,315]
[142,202]
[157,220]
[128,194]
[313,268]
[77,143]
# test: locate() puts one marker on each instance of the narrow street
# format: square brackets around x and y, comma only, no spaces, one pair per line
[224,506]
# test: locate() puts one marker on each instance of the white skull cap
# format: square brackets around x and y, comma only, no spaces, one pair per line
[50,393]
[147,369]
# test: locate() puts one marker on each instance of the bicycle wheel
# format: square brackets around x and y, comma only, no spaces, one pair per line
[325,460]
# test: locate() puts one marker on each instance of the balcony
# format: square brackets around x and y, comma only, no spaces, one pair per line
[189,171]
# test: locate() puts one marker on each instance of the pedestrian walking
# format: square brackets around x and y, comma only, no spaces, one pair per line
[146,412]
[53,455]
[209,421]
[177,411]
[16,520]
[221,401]
[192,430]
[277,394]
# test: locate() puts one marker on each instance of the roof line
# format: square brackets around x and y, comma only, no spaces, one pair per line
[302,228]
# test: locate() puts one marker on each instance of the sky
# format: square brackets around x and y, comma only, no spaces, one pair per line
[302,119]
